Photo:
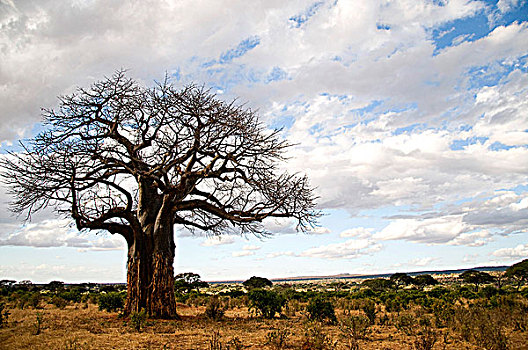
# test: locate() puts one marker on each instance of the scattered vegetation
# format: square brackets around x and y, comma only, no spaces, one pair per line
[406,314]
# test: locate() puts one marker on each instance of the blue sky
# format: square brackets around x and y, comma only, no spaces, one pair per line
[410,118]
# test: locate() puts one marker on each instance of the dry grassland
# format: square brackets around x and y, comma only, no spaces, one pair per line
[77,327]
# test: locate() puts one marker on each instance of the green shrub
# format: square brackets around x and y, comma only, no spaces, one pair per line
[265,302]
[138,319]
[320,309]
[59,302]
[369,308]
[34,300]
[111,302]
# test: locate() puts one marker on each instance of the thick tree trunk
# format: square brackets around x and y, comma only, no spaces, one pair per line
[150,271]
[150,280]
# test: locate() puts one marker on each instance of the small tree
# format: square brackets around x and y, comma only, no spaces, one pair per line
[518,272]
[187,281]
[378,284]
[401,279]
[136,161]
[476,277]
[321,309]
[425,280]
[265,302]
[55,286]
[257,282]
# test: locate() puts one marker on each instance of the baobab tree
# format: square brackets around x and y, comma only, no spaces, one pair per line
[136,161]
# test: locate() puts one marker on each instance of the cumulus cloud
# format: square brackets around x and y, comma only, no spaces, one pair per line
[58,233]
[359,232]
[350,249]
[518,252]
[434,230]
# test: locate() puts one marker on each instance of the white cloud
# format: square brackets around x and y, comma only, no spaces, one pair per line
[243,253]
[518,252]
[507,5]
[57,233]
[280,225]
[218,240]
[350,249]
[359,232]
[278,254]
[421,261]
[319,230]
[435,230]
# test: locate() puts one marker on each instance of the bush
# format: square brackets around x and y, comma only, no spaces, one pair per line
[34,300]
[320,309]
[315,338]
[406,324]
[111,302]
[59,302]
[354,328]
[425,339]
[138,319]
[278,339]
[369,308]
[266,302]
[214,309]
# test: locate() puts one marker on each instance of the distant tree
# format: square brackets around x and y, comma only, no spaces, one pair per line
[7,283]
[425,280]
[54,285]
[187,281]
[24,285]
[518,272]
[257,282]
[135,161]
[378,284]
[476,277]
[401,279]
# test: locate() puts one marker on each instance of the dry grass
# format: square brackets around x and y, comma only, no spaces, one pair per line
[88,328]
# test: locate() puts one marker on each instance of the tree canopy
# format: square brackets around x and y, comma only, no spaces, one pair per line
[425,280]
[257,282]
[187,281]
[476,277]
[518,271]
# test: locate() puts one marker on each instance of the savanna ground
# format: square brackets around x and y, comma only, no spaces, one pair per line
[454,317]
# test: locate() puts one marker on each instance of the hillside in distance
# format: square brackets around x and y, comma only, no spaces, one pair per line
[344,276]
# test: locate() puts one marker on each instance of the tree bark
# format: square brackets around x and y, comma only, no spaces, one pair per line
[150,271]
[150,279]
